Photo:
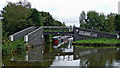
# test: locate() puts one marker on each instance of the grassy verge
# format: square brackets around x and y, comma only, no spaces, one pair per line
[94,46]
[9,47]
[97,43]
[101,40]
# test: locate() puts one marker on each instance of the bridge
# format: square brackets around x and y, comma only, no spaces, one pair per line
[35,35]
[57,30]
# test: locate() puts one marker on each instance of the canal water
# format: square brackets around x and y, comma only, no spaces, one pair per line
[66,55]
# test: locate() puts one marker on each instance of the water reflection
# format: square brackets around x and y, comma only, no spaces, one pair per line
[46,55]
[35,54]
[97,57]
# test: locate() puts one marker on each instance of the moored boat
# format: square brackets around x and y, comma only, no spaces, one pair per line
[57,41]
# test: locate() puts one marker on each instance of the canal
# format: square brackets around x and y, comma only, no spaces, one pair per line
[66,55]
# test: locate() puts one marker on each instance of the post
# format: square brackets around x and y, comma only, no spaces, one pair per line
[1,41]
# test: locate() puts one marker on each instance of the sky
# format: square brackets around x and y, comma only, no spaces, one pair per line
[68,11]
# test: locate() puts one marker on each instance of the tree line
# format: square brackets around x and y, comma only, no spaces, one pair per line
[100,21]
[20,15]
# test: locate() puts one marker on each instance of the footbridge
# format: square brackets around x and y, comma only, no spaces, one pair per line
[57,30]
[35,35]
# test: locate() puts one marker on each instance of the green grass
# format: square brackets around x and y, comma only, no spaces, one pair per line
[94,47]
[101,40]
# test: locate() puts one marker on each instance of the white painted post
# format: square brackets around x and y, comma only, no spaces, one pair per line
[118,36]
[26,38]
[11,37]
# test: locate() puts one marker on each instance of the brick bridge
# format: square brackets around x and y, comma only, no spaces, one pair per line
[35,35]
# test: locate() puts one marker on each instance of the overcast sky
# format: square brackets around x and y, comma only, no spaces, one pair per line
[68,11]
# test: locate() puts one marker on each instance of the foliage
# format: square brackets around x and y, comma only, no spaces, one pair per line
[101,40]
[64,24]
[117,22]
[111,23]
[15,17]
[35,17]
[20,15]
[82,19]
[48,20]
[9,47]
[58,23]
[93,20]
[98,21]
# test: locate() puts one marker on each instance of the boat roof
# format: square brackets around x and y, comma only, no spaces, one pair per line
[60,36]
[56,37]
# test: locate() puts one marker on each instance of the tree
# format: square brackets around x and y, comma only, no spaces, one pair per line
[117,22]
[57,23]
[111,24]
[96,21]
[35,17]
[93,20]
[15,15]
[82,19]
[64,24]
[48,20]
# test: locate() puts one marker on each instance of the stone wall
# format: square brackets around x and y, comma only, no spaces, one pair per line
[35,37]
[81,33]
[21,33]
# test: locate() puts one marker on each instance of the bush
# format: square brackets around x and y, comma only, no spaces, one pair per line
[10,47]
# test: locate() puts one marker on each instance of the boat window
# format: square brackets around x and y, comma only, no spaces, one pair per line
[61,40]
[54,39]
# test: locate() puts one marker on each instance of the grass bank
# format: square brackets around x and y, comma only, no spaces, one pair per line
[98,42]
[101,40]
